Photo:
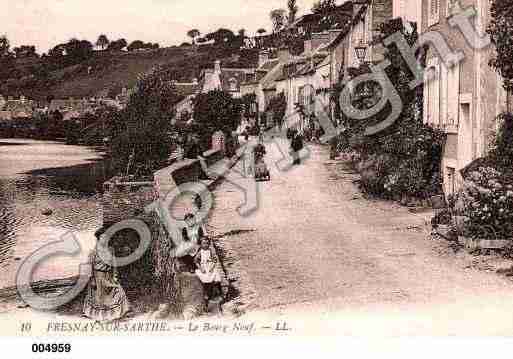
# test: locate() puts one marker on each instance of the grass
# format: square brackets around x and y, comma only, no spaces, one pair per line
[108,72]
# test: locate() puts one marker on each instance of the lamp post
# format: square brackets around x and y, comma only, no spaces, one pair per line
[361,52]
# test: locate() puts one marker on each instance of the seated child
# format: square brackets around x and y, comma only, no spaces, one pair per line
[208,270]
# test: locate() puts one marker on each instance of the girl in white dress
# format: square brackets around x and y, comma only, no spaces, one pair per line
[208,269]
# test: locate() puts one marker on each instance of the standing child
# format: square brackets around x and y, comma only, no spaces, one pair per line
[208,270]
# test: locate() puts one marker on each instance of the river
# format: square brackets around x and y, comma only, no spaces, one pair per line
[37,177]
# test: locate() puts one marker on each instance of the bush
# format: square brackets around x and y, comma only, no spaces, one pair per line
[488,202]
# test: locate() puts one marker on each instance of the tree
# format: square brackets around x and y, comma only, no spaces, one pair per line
[117,45]
[78,50]
[102,42]
[57,52]
[324,6]
[278,19]
[5,46]
[214,111]
[221,36]
[327,9]
[193,34]
[135,45]
[501,33]
[141,136]
[293,9]
[25,51]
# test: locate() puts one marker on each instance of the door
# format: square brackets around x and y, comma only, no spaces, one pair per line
[466,136]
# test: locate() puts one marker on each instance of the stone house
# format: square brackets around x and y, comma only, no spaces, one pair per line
[465,99]
[188,90]
[21,108]
[72,108]
[226,79]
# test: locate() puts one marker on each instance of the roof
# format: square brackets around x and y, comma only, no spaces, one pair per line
[212,80]
[269,65]
[359,16]
[69,104]
[229,75]
[312,65]
[186,89]
[316,18]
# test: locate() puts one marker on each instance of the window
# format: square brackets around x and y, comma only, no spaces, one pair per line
[233,84]
[453,93]
[449,86]
[434,12]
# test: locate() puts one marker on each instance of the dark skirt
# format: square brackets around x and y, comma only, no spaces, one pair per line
[188,260]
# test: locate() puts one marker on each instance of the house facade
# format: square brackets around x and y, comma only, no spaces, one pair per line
[11,109]
[465,99]
[226,79]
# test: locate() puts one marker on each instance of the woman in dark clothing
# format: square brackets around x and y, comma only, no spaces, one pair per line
[297,145]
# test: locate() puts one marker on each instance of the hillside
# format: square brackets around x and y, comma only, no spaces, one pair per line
[108,72]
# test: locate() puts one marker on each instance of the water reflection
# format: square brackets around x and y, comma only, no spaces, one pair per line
[35,176]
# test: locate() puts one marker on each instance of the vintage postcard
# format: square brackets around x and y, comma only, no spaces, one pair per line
[300,168]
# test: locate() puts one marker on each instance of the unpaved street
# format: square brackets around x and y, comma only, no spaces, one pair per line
[316,246]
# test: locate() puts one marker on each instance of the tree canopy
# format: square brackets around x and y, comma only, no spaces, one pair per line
[142,138]
[500,29]
[278,18]
[102,41]
[293,9]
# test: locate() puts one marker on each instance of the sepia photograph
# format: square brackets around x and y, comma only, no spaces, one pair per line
[265,168]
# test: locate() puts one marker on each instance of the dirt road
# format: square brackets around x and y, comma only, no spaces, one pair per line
[315,248]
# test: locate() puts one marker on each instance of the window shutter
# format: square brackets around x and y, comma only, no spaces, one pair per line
[454,89]
[444,91]
[434,11]
[436,96]
[426,96]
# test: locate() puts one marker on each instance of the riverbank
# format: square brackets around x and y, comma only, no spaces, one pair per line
[37,176]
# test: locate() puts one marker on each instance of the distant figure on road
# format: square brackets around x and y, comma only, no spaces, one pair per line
[296,145]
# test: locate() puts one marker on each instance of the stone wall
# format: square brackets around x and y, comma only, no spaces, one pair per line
[125,200]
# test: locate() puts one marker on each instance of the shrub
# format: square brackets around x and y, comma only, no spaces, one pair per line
[487,197]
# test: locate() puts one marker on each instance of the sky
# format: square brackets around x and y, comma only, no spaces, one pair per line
[46,23]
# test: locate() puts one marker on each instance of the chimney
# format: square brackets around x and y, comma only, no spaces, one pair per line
[217,67]
[263,57]
[283,54]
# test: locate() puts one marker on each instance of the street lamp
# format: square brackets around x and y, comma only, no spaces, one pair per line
[361,52]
